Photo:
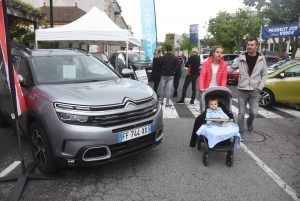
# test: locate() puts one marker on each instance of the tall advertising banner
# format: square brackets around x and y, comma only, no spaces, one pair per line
[4,63]
[281,31]
[194,39]
[148,27]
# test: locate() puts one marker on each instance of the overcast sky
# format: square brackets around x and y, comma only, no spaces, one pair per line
[174,16]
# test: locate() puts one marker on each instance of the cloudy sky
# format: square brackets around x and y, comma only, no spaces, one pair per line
[174,16]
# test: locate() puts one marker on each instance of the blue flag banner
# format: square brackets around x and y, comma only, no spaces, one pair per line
[194,34]
[148,27]
[281,31]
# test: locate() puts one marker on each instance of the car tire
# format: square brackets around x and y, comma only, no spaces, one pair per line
[3,122]
[41,149]
[266,98]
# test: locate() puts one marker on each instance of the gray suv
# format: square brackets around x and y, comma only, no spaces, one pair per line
[79,111]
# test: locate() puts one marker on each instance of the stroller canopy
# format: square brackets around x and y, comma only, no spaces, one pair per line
[223,95]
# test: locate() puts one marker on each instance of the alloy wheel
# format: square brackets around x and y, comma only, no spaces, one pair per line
[265,98]
[39,148]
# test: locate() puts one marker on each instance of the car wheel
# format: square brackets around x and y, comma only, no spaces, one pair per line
[41,150]
[266,98]
[3,122]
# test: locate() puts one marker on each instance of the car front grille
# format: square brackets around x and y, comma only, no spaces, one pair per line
[123,118]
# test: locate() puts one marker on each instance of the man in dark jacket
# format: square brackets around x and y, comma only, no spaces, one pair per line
[178,72]
[192,75]
[168,63]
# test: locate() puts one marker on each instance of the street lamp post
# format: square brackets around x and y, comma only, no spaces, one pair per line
[51,19]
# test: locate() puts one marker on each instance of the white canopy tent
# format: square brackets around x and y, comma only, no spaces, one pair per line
[94,28]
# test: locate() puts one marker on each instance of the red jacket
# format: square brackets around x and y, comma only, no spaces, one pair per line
[206,74]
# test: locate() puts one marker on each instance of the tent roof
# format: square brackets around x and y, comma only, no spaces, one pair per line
[95,27]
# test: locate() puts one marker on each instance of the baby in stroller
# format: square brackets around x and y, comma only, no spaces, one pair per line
[215,112]
[218,133]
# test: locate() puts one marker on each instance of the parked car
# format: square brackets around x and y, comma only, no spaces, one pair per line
[103,57]
[203,58]
[270,60]
[228,58]
[136,61]
[282,85]
[79,111]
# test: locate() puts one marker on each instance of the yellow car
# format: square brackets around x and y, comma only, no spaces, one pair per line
[282,85]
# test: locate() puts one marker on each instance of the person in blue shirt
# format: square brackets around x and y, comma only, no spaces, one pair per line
[214,110]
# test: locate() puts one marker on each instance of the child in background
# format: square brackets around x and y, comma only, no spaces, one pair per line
[215,112]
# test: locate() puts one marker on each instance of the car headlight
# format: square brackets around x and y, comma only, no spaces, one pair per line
[74,118]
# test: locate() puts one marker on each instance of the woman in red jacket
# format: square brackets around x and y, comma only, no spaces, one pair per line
[214,70]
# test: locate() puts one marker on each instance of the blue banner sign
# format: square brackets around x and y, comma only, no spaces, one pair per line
[281,31]
[148,27]
[194,34]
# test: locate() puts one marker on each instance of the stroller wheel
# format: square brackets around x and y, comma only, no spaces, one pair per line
[229,160]
[205,158]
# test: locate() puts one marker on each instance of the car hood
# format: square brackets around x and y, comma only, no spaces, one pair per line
[95,93]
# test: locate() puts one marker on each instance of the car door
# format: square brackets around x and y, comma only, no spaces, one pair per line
[288,89]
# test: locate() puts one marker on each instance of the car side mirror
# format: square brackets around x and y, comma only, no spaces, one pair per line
[127,72]
[281,75]
[21,79]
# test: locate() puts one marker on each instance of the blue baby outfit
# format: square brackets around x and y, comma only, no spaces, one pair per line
[210,113]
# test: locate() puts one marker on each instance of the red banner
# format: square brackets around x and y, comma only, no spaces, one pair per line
[21,106]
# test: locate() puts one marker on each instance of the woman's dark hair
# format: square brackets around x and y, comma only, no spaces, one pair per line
[213,49]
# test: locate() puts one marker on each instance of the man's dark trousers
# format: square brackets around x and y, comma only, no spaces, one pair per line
[188,80]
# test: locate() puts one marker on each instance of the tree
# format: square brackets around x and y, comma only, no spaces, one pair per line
[279,12]
[185,43]
[231,31]
[168,41]
[18,28]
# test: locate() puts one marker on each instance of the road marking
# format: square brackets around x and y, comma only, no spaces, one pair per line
[263,112]
[194,108]
[272,174]
[10,168]
[169,112]
[289,111]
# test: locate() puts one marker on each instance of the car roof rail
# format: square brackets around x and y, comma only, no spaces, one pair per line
[76,49]
[29,51]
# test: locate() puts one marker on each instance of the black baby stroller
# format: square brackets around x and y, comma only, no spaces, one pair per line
[224,99]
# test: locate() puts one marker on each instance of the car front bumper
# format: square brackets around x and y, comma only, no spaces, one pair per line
[76,145]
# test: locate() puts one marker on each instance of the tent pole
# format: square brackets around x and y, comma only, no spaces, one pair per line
[127,53]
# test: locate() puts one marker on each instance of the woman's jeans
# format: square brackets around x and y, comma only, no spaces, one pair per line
[166,88]
[251,97]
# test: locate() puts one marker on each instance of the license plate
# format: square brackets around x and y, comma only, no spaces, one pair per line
[134,133]
[149,71]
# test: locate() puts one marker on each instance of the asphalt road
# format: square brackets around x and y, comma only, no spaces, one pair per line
[173,170]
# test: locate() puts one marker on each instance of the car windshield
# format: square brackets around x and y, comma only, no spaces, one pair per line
[70,69]
[134,57]
[271,61]
[281,65]
[104,57]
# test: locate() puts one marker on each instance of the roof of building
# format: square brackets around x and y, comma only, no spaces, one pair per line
[63,14]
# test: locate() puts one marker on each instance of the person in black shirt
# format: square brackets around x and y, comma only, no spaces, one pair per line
[192,75]
[169,63]
[178,72]
[251,61]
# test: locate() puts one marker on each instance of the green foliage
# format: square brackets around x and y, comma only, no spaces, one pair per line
[28,8]
[232,32]
[18,28]
[26,38]
[185,43]
[168,41]
[279,12]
